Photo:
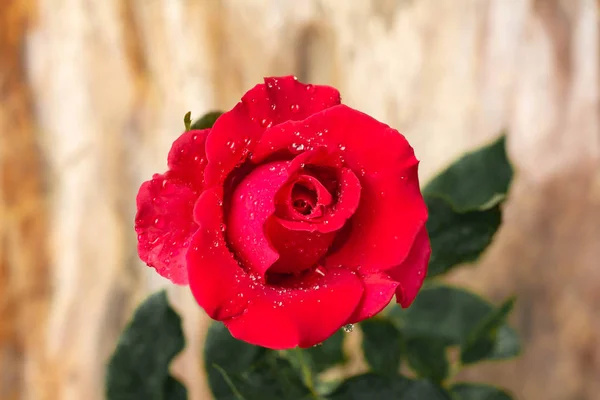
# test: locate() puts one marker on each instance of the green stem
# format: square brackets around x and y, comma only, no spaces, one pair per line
[307,375]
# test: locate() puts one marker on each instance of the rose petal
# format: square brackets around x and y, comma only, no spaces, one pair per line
[334,219]
[252,203]
[303,314]
[298,250]
[164,225]
[234,134]
[288,194]
[379,290]
[221,287]
[164,220]
[187,157]
[411,273]
[391,209]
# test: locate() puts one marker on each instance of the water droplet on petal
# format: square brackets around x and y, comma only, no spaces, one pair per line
[265,123]
[342,147]
[348,328]
[310,88]
[294,108]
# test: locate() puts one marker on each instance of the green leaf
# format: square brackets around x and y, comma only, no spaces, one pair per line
[206,121]
[382,345]
[483,338]
[475,391]
[187,120]
[458,238]
[327,354]
[372,386]
[225,354]
[476,181]
[272,378]
[443,313]
[507,344]
[427,358]
[240,371]
[464,206]
[139,367]
[174,390]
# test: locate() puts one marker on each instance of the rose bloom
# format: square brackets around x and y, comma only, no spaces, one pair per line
[291,217]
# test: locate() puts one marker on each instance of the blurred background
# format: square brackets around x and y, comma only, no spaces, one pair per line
[92,94]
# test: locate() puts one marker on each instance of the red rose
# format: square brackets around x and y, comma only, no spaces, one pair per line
[293,216]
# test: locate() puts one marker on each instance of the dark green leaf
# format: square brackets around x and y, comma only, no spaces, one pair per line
[427,358]
[474,391]
[239,371]
[443,313]
[464,206]
[482,339]
[174,390]
[507,344]
[382,345]
[225,354]
[139,367]
[372,386]
[187,120]
[206,121]
[272,378]
[458,238]
[477,181]
[328,353]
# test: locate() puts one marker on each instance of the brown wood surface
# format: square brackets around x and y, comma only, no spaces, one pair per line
[92,93]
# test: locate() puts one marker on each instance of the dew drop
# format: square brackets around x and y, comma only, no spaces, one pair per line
[320,271]
[318,345]
[294,108]
[348,328]
[342,147]
[310,88]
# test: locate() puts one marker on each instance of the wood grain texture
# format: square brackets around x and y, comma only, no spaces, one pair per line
[93,93]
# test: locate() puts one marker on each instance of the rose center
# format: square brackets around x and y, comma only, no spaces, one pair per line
[304,199]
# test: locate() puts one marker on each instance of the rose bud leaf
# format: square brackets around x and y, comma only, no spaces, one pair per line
[139,366]
[206,121]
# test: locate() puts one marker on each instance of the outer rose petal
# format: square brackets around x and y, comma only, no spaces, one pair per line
[164,220]
[392,209]
[305,315]
[278,100]
[379,290]
[187,158]
[217,282]
[411,273]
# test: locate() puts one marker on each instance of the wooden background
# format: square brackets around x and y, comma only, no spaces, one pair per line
[92,93]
